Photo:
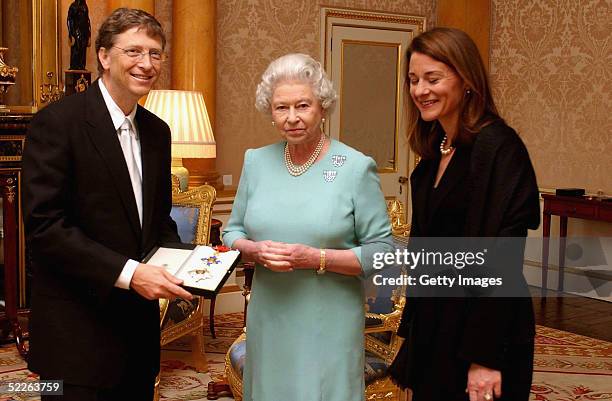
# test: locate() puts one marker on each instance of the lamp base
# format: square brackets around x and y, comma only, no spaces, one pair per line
[183,176]
[203,171]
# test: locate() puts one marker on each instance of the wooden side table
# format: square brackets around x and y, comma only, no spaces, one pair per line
[584,207]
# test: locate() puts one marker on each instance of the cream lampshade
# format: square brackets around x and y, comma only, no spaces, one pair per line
[185,113]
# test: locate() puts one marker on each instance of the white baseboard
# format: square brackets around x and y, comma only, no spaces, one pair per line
[575,281]
[229,302]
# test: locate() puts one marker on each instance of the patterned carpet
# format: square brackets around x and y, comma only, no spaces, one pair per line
[571,367]
[568,367]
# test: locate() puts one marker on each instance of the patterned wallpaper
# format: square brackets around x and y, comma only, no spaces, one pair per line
[98,11]
[551,67]
[250,34]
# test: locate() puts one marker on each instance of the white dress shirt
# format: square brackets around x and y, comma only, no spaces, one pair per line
[118,117]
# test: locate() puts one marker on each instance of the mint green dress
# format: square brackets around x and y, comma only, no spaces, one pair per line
[305,338]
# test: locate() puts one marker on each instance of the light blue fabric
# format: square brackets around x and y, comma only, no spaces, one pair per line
[305,331]
[186,218]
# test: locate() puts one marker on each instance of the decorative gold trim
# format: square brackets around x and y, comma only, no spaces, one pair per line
[383,389]
[379,16]
[7,138]
[186,326]
[45,58]
[10,191]
[234,380]
[367,15]
[203,198]
[399,226]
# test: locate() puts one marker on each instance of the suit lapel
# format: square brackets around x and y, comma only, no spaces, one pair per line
[104,137]
[149,150]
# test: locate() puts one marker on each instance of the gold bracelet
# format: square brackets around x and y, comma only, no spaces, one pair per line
[322,266]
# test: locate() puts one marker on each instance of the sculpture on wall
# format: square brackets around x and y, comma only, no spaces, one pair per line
[77,78]
[79,33]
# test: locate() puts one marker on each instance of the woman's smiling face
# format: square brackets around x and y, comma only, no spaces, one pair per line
[436,90]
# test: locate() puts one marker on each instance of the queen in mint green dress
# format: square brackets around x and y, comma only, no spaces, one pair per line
[305,332]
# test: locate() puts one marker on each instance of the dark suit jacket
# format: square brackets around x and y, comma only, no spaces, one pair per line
[447,335]
[82,226]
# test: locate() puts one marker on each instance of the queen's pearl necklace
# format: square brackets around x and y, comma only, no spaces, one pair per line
[301,169]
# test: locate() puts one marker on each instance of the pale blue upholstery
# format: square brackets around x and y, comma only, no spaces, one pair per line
[186,218]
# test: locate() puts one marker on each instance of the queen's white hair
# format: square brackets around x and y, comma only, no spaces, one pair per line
[295,67]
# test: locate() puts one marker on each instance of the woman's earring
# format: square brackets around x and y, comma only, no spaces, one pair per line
[467,92]
[273,123]
[323,121]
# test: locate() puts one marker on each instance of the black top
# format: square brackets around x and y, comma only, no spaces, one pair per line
[487,190]
[447,204]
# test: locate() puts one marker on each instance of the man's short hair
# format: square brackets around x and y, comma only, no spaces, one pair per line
[121,20]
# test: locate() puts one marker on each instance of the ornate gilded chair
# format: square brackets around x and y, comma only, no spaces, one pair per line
[384,308]
[192,211]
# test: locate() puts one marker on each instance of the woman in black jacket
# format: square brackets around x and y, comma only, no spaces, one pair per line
[474,179]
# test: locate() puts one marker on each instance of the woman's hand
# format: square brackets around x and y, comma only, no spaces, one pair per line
[483,383]
[278,256]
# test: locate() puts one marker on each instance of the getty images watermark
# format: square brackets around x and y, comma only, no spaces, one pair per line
[413,260]
[495,267]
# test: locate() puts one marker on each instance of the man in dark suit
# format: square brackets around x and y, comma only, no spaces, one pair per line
[96,198]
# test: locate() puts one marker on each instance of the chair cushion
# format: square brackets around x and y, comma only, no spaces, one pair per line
[384,337]
[237,354]
[378,297]
[375,367]
[186,219]
[179,310]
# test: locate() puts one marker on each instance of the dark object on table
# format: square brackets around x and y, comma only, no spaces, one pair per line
[215,232]
[79,33]
[569,191]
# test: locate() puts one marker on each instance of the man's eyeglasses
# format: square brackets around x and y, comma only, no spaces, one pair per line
[156,56]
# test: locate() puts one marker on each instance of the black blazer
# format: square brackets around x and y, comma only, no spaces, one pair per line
[82,226]
[503,201]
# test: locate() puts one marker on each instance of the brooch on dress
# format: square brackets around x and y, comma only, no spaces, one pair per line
[338,160]
[329,175]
